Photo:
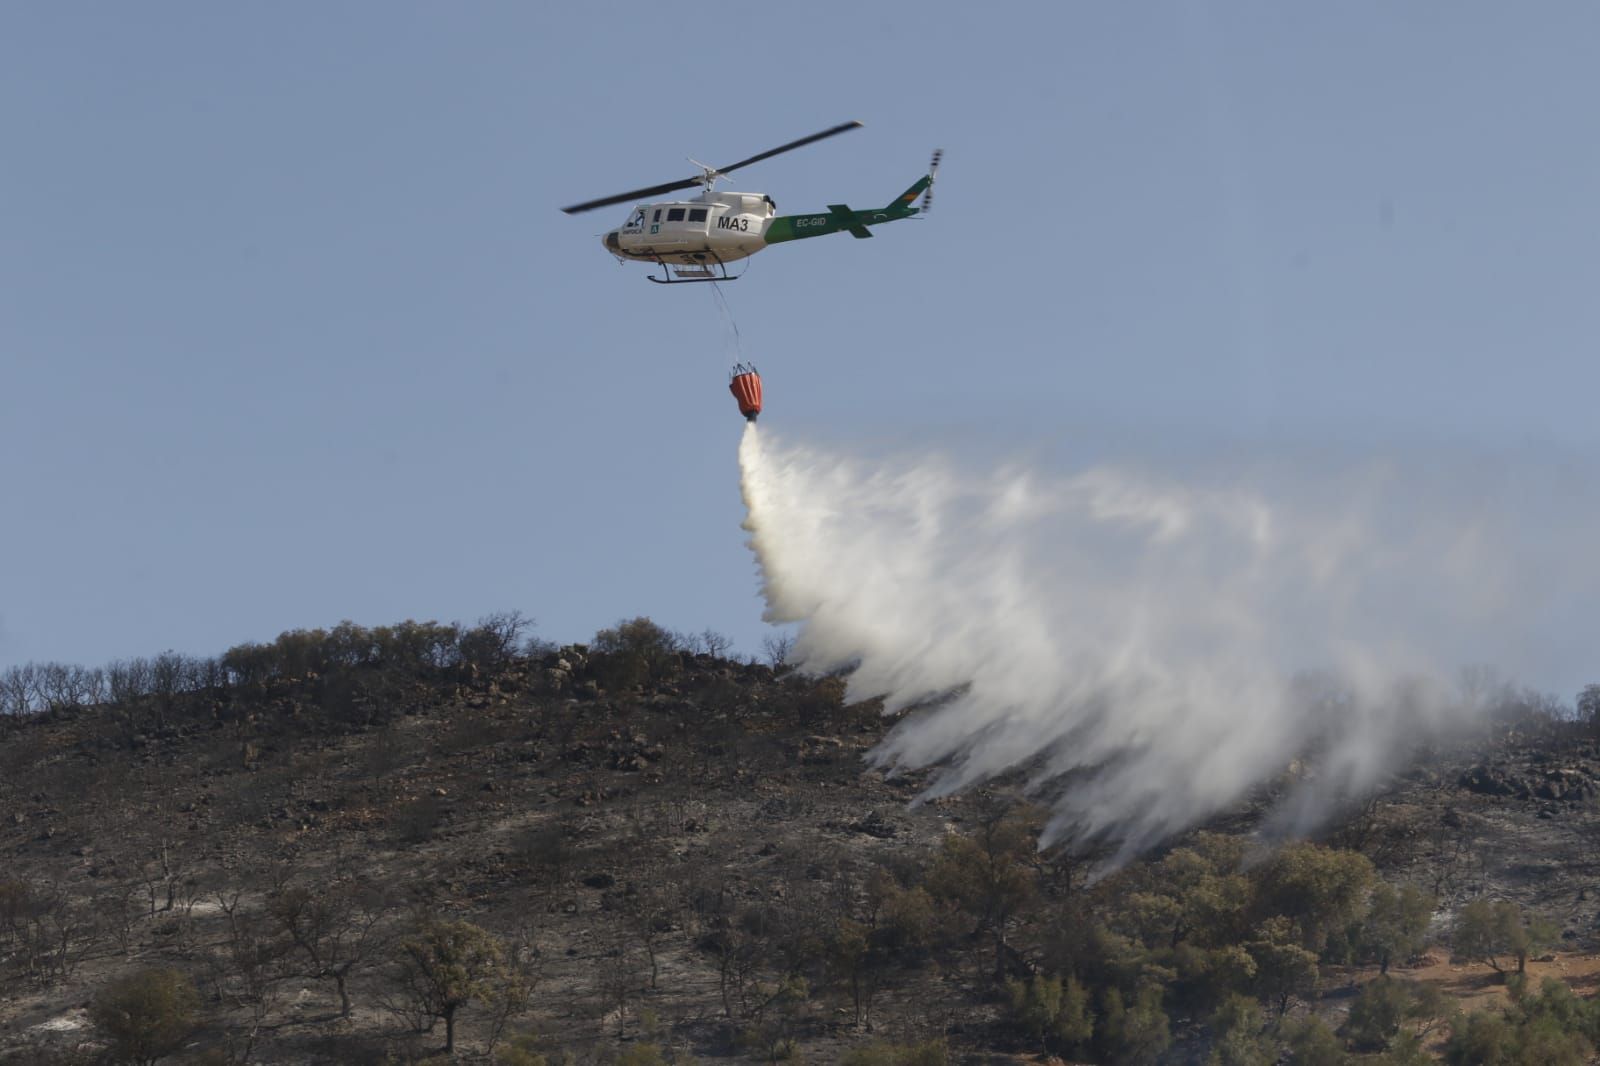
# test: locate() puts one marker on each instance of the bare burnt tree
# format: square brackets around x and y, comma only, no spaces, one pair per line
[62,687]
[46,930]
[163,872]
[648,913]
[246,970]
[16,899]
[128,680]
[715,644]
[512,993]
[118,907]
[778,647]
[334,929]
[740,947]
[19,689]
[495,640]
[617,984]
[168,674]
[67,930]
[56,688]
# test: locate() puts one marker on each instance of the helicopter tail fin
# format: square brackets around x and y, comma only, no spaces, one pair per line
[902,204]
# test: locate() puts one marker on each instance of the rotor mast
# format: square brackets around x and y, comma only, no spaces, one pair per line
[708,177]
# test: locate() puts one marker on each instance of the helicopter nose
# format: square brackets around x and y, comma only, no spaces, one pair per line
[612,243]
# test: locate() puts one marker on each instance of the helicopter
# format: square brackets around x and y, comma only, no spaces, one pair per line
[698,238]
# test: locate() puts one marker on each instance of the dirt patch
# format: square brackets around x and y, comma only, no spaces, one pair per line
[1476,986]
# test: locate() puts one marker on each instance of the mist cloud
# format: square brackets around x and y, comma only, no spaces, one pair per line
[1150,648]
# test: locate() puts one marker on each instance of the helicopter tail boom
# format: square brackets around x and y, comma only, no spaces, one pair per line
[840,217]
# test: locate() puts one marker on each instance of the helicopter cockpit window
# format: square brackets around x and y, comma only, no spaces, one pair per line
[697,214]
[674,214]
[657,217]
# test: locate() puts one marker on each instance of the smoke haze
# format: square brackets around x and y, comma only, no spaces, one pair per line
[1150,649]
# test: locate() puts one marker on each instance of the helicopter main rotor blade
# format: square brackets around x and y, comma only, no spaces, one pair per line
[637,194]
[802,142]
[689,183]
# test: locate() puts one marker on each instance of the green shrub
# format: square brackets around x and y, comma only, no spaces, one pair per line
[1312,1043]
[1376,1015]
[632,652]
[882,1053]
[145,1016]
[1137,1034]
[522,1050]
[1052,1012]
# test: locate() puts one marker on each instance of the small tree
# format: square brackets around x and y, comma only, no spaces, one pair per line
[1485,930]
[1237,1026]
[1319,890]
[1054,1012]
[145,1016]
[1382,1009]
[1481,1037]
[1396,925]
[854,963]
[1074,1022]
[1312,1043]
[632,652]
[446,965]
[1376,1015]
[782,1010]
[1034,1005]
[990,874]
[1589,707]
[1136,1035]
[1283,969]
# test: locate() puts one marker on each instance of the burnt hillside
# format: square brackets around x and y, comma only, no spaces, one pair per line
[366,846]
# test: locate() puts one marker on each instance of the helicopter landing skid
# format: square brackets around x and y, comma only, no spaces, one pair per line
[689,273]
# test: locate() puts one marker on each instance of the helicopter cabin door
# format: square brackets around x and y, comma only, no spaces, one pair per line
[682,225]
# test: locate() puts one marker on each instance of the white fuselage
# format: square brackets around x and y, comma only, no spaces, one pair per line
[714,227]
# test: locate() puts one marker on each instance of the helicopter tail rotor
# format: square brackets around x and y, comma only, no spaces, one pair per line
[933,176]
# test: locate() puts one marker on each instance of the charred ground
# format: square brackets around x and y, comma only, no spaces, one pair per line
[667,854]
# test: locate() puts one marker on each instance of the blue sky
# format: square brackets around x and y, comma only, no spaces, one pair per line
[292,330]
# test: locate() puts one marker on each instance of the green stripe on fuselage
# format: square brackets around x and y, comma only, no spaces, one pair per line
[794,227]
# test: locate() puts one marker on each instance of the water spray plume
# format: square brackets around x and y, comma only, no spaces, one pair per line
[1146,650]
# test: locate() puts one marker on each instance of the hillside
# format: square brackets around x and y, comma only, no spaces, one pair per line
[635,852]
